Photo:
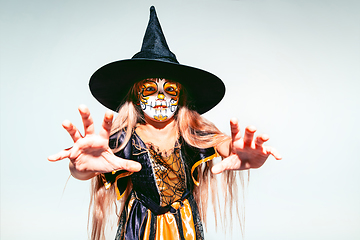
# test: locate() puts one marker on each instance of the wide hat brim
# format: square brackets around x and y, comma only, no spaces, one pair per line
[111,83]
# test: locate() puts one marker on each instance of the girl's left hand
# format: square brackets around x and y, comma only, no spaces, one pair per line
[245,152]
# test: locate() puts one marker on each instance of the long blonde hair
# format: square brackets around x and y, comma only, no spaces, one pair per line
[196,131]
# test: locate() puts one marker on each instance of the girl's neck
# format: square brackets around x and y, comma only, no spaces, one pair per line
[162,134]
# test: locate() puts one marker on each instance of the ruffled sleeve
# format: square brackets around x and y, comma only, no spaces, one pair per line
[193,157]
[204,155]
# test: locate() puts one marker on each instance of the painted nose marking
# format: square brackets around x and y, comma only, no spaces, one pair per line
[161,96]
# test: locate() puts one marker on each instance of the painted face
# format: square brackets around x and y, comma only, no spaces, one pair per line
[159,98]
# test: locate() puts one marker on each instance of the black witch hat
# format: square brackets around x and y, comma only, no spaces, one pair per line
[111,83]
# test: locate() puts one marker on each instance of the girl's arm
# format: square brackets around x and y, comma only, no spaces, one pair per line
[91,154]
[242,153]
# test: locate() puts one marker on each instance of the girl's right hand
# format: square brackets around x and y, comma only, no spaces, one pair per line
[91,154]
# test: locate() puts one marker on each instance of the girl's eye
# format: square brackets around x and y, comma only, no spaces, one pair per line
[170,89]
[150,89]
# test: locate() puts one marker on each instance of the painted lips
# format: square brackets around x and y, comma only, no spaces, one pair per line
[160,107]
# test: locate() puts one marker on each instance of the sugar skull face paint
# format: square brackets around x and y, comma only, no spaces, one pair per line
[159,98]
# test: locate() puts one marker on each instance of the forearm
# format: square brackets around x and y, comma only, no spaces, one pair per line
[81,175]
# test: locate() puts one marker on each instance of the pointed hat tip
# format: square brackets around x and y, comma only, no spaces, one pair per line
[152,12]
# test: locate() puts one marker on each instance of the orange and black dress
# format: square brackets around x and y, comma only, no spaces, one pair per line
[161,205]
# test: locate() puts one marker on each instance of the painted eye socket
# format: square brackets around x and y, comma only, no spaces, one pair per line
[171,88]
[149,88]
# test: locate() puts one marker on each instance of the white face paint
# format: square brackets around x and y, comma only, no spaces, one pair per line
[159,99]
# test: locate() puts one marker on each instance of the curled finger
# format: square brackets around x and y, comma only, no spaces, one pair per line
[106,125]
[235,129]
[228,163]
[59,156]
[249,135]
[274,152]
[87,120]
[72,130]
[259,140]
[130,165]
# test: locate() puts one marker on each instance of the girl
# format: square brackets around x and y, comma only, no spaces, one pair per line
[151,156]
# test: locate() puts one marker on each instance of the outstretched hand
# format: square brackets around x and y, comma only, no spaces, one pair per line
[245,152]
[90,154]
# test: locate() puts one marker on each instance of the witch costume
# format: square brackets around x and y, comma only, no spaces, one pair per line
[161,204]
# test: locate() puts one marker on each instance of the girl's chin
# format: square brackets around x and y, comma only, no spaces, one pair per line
[159,118]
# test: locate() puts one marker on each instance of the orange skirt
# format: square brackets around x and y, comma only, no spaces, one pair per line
[181,223]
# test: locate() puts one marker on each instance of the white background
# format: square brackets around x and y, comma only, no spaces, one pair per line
[291,68]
